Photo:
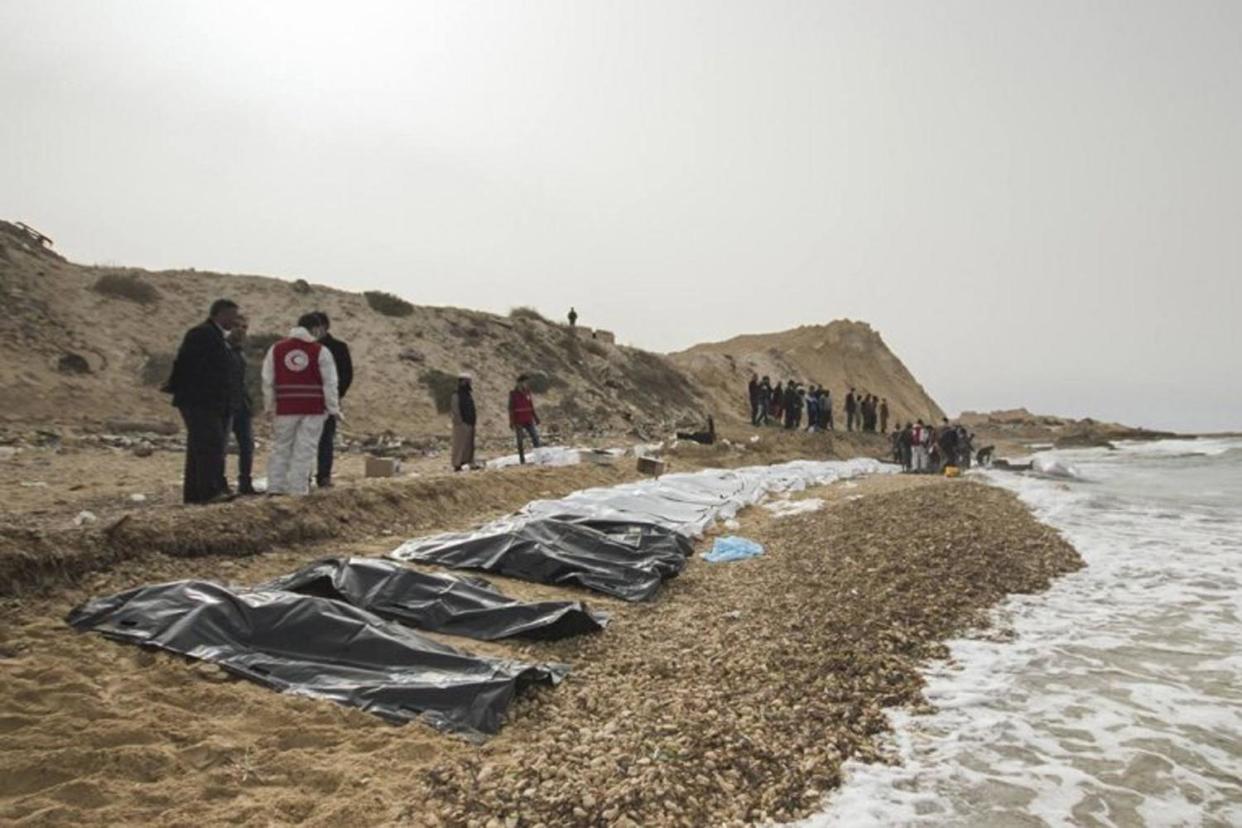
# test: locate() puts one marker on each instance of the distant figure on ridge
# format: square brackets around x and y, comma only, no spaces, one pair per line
[573,317]
[344,379]
[464,415]
[300,391]
[242,419]
[201,383]
[522,416]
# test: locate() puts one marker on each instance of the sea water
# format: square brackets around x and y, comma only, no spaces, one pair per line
[1113,698]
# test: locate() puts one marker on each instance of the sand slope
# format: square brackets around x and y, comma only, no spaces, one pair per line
[839,355]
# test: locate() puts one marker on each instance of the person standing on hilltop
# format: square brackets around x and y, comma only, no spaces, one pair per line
[851,406]
[573,317]
[241,422]
[522,416]
[201,387]
[300,392]
[884,415]
[464,416]
[344,379]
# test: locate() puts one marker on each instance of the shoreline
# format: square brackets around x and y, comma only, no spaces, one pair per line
[734,696]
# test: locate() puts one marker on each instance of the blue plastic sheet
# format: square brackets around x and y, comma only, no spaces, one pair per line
[733,548]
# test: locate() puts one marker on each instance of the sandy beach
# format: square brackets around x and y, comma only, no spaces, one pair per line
[733,697]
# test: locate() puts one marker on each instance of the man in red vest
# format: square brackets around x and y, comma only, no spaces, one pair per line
[300,391]
[522,416]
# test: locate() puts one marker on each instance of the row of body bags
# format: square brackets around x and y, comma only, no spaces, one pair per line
[344,628]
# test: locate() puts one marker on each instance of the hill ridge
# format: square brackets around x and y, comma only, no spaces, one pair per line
[89,344]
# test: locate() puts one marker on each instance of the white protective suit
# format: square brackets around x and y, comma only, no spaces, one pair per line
[295,437]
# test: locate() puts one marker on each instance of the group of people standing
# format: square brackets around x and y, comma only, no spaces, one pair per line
[924,448]
[867,411]
[304,377]
[523,421]
[784,403]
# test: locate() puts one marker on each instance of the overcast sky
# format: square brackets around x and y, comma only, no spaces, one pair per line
[1035,203]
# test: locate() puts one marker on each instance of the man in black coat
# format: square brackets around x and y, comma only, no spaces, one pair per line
[344,376]
[202,387]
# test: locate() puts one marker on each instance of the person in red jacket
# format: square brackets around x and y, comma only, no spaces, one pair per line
[300,392]
[522,416]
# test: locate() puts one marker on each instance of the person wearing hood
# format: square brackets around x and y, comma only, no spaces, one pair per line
[464,414]
[300,392]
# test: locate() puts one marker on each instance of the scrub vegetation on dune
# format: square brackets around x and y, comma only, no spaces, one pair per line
[126,286]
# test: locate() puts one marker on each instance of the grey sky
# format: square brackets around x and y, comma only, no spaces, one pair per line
[1035,203]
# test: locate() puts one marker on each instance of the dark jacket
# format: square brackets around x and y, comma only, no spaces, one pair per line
[202,372]
[463,405]
[344,363]
[239,395]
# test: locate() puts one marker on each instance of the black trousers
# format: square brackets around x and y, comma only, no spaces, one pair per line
[327,452]
[205,443]
[242,426]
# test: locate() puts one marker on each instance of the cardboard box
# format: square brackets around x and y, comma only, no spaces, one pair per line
[382,466]
[650,466]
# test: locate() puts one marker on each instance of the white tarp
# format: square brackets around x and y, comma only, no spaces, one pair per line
[691,502]
[553,456]
[786,507]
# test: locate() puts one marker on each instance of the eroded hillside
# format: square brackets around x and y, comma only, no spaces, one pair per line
[86,345]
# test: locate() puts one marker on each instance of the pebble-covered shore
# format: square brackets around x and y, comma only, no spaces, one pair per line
[736,697]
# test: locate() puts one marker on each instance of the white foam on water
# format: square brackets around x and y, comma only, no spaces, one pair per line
[1113,698]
